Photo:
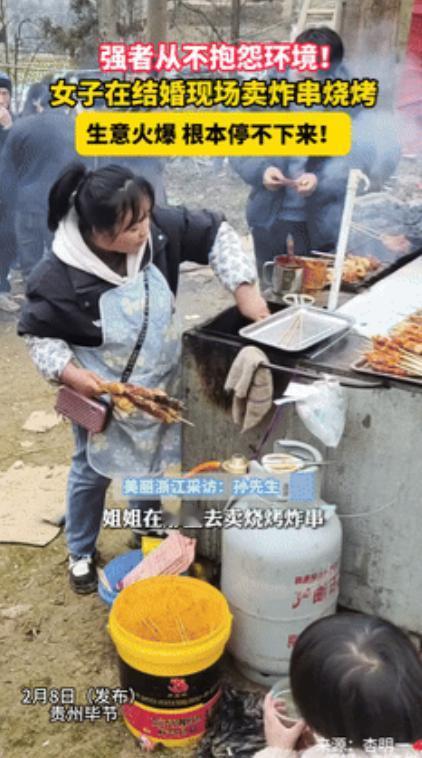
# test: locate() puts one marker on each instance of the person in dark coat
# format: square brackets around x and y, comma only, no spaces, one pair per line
[275,207]
[38,148]
[36,100]
[6,119]
[311,209]
[7,228]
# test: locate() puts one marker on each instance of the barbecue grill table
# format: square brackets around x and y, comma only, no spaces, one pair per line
[377,463]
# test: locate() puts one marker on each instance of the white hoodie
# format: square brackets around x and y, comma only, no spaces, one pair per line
[71,248]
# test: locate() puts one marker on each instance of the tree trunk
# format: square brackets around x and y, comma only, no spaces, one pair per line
[404,27]
[235,21]
[370,29]
[370,34]
[4,30]
[107,20]
[157,21]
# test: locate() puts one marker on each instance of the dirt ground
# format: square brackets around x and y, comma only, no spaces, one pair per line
[49,636]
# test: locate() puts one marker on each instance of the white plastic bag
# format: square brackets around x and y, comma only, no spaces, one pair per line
[323,411]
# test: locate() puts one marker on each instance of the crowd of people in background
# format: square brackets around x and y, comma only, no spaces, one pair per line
[351,675]
[37,144]
[35,147]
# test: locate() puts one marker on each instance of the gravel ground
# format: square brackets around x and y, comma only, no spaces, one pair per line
[50,636]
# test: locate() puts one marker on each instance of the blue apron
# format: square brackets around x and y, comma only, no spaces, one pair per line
[137,444]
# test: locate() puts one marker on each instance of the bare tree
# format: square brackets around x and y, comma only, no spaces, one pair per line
[205,17]
[157,21]
[235,20]
[133,13]
[107,20]
[371,25]
[4,30]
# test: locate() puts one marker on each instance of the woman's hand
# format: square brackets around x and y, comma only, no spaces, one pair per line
[273,178]
[306,184]
[81,380]
[276,733]
[250,302]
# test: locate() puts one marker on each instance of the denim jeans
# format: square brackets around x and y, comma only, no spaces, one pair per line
[86,491]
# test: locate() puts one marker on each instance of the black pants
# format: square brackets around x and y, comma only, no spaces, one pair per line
[7,252]
[33,238]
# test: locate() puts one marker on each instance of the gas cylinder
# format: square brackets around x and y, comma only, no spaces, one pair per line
[280,574]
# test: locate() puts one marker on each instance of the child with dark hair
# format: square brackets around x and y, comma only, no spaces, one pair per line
[109,284]
[357,682]
[37,99]
[324,35]
[6,119]
[294,196]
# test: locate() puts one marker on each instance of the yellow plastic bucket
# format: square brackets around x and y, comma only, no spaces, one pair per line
[170,633]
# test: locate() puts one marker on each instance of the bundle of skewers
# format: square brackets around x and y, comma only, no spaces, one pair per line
[293,333]
[130,398]
[400,354]
[395,243]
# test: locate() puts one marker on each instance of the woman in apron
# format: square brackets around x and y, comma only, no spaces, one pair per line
[110,284]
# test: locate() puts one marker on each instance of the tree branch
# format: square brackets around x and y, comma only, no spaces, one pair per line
[203,15]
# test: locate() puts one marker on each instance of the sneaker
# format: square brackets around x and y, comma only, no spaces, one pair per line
[82,574]
[7,303]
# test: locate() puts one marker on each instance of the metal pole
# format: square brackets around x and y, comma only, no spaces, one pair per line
[235,21]
[355,177]
[157,21]
[107,11]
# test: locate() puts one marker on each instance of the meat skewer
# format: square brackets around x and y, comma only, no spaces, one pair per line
[155,402]
[401,353]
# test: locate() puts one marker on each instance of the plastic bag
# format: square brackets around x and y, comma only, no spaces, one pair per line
[324,411]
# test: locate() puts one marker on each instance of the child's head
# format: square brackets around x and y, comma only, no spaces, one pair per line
[113,205]
[324,35]
[5,90]
[357,676]
[37,99]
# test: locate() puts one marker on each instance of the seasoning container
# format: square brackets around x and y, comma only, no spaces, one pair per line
[314,274]
[237,464]
[286,274]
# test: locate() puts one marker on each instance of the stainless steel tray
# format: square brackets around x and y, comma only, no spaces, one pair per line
[296,328]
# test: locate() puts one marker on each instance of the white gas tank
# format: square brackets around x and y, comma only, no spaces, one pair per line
[278,579]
